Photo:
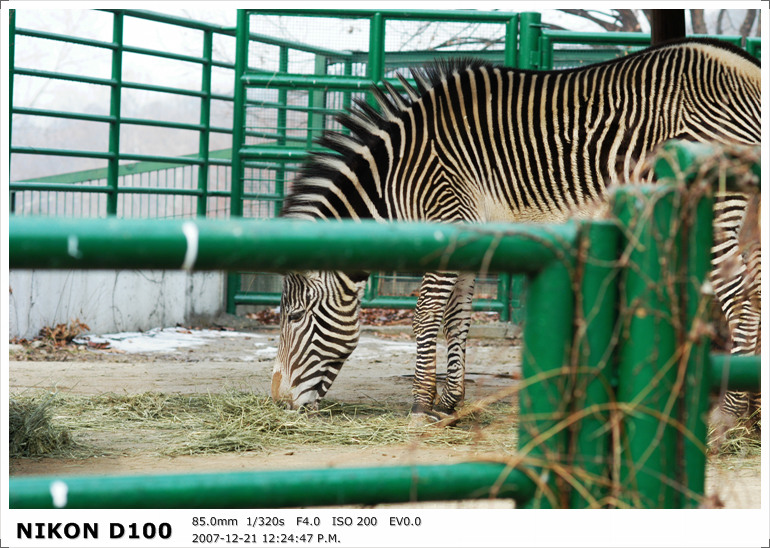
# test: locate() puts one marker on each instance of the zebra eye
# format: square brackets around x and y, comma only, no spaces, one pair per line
[296,315]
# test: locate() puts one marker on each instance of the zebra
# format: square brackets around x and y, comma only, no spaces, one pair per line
[475,142]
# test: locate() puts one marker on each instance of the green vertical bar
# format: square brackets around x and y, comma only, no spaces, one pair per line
[546,53]
[115,95]
[511,41]
[647,369]
[372,287]
[239,112]
[518,295]
[239,122]
[11,74]
[546,347]
[283,95]
[529,40]
[504,296]
[203,138]
[375,69]
[595,360]
[698,380]
[317,100]
[347,97]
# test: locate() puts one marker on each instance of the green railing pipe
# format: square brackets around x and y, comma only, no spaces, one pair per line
[529,39]
[547,340]
[468,15]
[276,489]
[239,115]
[11,74]
[647,369]
[511,41]
[696,243]
[115,100]
[733,372]
[375,68]
[594,362]
[205,122]
[307,81]
[281,245]
[686,158]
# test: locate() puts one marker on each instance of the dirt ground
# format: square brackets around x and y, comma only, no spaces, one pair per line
[379,371]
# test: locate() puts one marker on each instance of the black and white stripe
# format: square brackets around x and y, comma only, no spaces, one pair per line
[476,142]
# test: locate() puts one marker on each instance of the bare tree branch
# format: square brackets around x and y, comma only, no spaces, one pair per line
[585,14]
[629,22]
[748,22]
[720,19]
[698,22]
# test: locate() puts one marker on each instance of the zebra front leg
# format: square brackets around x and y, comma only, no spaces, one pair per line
[457,322]
[434,294]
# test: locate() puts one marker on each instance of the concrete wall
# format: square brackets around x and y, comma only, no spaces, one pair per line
[111,301]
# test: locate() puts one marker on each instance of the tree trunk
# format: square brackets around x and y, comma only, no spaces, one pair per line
[748,22]
[667,25]
[698,22]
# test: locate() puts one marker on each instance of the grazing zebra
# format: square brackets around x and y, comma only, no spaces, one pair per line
[474,143]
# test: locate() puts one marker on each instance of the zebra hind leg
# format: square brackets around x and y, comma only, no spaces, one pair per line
[434,294]
[457,321]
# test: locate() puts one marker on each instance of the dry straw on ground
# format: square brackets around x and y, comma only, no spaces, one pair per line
[236,422]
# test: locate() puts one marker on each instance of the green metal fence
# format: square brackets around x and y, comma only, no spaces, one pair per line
[285,95]
[615,364]
[283,110]
[129,184]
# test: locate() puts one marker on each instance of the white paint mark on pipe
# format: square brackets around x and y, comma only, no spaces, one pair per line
[72,247]
[190,231]
[59,491]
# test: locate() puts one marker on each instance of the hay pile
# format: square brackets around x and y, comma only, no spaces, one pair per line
[31,430]
[237,422]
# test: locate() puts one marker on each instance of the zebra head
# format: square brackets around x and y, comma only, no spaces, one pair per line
[319,330]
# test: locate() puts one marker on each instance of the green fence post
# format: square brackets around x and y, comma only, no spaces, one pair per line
[239,123]
[316,104]
[546,52]
[529,40]
[511,41]
[203,138]
[594,362]
[283,95]
[504,296]
[375,68]
[547,339]
[518,295]
[648,363]
[11,59]
[239,112]
[113,163]
[697,381]
[697,240]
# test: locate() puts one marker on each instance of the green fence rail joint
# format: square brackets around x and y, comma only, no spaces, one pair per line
[276,489]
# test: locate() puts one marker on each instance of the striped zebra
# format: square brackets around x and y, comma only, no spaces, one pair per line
[476,142]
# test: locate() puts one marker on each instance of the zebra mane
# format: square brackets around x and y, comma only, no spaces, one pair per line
[367,128]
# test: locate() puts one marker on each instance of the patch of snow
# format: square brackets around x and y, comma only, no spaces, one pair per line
[168,339]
